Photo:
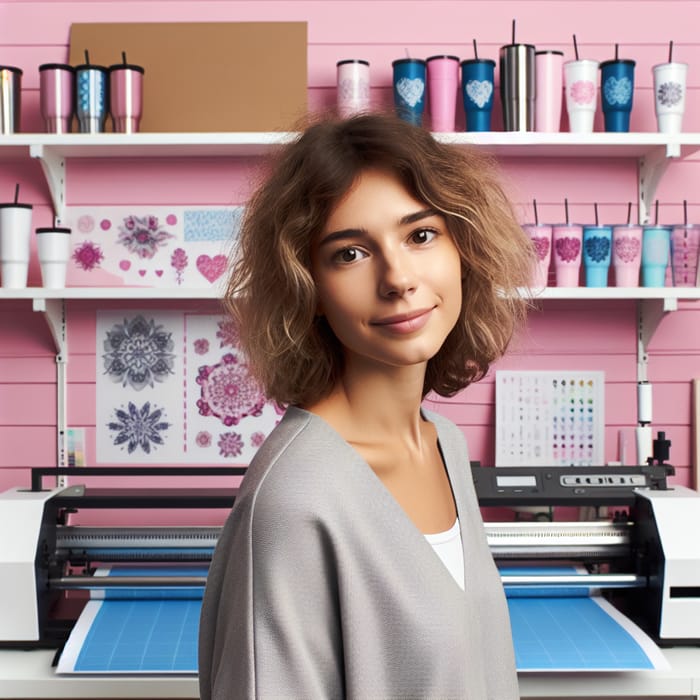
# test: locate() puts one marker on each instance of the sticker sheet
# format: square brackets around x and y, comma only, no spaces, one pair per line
[550,418]
[168,247]
[173,387]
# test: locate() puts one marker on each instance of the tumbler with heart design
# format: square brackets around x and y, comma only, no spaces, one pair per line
[477,92]
[567,243]
[627,254]
[541,237]
[597,244]
[409,89]
[616,93]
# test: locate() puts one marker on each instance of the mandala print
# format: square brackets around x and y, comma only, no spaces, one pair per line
[142,235]
[541,247]
[227,333]
[618,91]
[138,353]
[627,248]
[228,391]
[201,346]
[203,438]
[230,444]
[670,94]
[597,248]
[568,248]
[88,256]
[582,92]
[139,427]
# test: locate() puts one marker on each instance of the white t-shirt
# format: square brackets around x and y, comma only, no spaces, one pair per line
[448,546]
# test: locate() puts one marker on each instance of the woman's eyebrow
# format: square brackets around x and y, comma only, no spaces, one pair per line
[359,232]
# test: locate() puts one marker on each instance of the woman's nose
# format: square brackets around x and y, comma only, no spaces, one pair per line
[397,277]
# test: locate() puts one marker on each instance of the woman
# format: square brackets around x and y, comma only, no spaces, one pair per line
[374,265]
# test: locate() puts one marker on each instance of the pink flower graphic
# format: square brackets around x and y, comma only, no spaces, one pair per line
[201,346]
[142,235]
[88,256]
[627,248]
[230,444]
[257,439]
[582,92]
[203,438]
[567,248]
[179,261]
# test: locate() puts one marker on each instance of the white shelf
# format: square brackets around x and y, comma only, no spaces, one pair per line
[125,293]
[236,144]
[633,293]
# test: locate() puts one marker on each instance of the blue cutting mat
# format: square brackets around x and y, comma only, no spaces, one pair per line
[155,636]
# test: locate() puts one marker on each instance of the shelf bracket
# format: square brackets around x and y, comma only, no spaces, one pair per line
[54,311]
[650,312]
[54,167]
[652,166]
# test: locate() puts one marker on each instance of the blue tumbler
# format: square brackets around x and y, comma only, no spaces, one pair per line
[597,247]
[91,97]
[477,92]
[409,89]
[617,92]
[656,254]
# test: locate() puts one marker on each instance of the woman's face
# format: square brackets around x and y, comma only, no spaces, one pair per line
[388,274]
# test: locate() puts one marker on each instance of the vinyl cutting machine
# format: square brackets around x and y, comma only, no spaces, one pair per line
[647,562]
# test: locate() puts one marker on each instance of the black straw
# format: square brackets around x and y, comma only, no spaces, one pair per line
[670,51]
[616,48]
[87,57]
[575,47]
[124,57]
[685,212]
[17,193]
[629,213]
[476,53]
[513,32]
[534,207]
[595,207]
[656,214]
[566,209]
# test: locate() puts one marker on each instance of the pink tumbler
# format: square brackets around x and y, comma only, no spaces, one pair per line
[567,240]
[126,96]
[443,79]
[57,96]
[549,90]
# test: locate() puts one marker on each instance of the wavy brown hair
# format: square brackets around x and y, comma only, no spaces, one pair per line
[271,293]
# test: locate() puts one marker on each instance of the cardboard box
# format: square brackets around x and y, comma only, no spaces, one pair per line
[207,76]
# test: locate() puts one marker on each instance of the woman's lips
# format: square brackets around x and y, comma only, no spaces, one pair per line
[405,323]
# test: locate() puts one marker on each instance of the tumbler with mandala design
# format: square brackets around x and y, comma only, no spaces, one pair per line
[91,97]
[627,254]
[580,89]
[656,255]
[669,96]
[597,245]
[567,242]
[541,237]
[616,93]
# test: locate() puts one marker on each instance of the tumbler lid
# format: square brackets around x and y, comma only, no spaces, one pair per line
[127,66]
[549,51]
[625,61]
[399,61]
[15,205]
[14,69]
[471,61]
[54,66]
[442,55]
[52,229]
[91,66]
[352,60]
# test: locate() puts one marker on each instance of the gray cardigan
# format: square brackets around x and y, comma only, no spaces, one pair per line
[322,587]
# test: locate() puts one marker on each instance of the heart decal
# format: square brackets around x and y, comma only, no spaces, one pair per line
[627,248]
[212,268]
[410,90]
[618,91]
[159,273]
[479,91]
[541,247]
[142,273]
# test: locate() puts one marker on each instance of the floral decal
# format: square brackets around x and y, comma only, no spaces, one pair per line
[618,91]
[230,444]
[669,94]
[201,346]
[541,246]
[627,248]
[597,248]
[257,439]
[203,438]
[582,92]
[142,235]
[179,262]
[228,391]
[567,248]
[138,427]
[138,353]
[227,333]
[88,256]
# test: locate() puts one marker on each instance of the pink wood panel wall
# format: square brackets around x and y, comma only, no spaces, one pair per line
[562,335]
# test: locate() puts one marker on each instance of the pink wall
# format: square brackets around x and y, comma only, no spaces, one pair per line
[563,335]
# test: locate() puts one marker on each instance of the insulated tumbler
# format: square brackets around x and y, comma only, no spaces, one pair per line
[517,69]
